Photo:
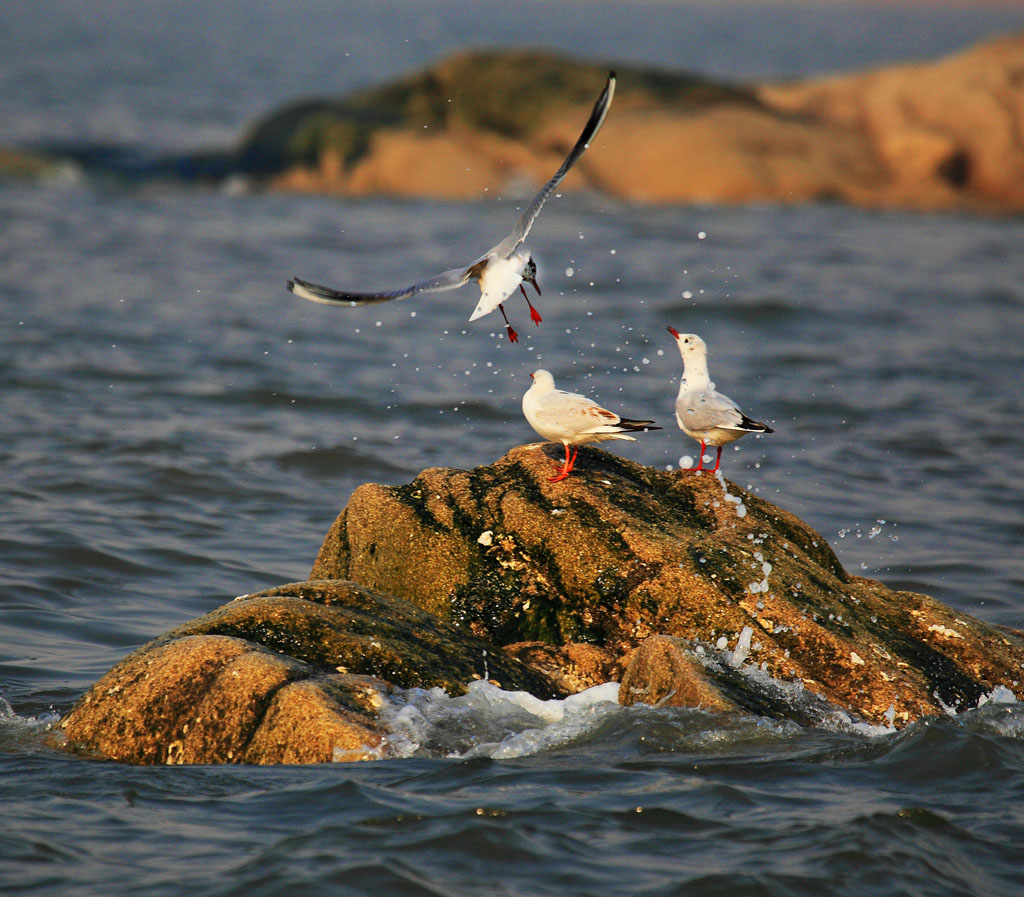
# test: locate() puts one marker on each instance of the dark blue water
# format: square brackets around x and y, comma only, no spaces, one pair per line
[175,429]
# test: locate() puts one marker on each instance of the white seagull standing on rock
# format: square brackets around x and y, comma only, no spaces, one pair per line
[702,412]
[572,419]
[499,271]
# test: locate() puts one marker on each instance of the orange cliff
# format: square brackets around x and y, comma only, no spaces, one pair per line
[936,135]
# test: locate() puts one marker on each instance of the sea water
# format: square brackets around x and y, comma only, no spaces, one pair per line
[177,429]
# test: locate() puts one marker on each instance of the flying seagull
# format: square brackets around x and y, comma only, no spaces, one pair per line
[573,419]
[500,270]
[702,412]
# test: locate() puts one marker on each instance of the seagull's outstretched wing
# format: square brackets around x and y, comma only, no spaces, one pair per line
[456,277]
[525,222]
[449,280]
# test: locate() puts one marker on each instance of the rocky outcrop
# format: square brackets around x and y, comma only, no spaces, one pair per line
[295,674]
[942,134]
[619,552]
[473,124]
[685,588]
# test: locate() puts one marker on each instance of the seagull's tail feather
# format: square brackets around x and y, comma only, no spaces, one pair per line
[484,307]
[635,426]
[754,426]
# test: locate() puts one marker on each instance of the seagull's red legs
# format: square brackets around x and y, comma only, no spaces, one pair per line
[534,314]
[700,462]
[718,459]
[513,337]
[565,469]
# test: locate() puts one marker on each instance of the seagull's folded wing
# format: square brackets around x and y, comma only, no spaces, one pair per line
[573,414]
[706,411]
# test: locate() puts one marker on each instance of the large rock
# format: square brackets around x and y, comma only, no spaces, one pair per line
[295,674]
[685,588]
[942,134]
[945,132]
[619,552]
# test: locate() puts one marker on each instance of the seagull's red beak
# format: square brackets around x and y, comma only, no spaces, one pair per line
[673,331]
[536,285]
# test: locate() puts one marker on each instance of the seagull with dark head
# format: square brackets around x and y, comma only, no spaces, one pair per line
[499,271]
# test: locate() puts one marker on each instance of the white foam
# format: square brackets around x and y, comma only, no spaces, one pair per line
[998,712]
[490,722]
[10,719]
[999,695]
[742,650]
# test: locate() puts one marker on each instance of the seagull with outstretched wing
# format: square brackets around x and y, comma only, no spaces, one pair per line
[499,271]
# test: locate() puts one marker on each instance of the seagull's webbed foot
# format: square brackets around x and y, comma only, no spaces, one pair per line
[534,314]
[565,469]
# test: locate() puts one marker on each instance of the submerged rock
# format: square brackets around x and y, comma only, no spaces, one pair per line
[686,588]
[18,164]
[663,672]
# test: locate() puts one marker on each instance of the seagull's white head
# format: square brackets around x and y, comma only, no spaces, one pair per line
[543,379]
[689,344]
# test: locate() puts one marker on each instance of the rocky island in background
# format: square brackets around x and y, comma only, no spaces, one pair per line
[939,135]
[933,135]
